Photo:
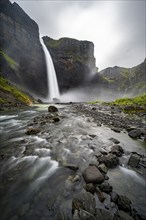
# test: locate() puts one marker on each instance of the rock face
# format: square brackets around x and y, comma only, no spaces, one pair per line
[125,79]
[22,56]
[73,60]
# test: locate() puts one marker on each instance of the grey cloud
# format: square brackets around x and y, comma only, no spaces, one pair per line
[129,22]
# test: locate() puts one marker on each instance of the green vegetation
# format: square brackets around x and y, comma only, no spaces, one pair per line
[53,43]
[138,100]
[10,61]
[7,88]
[110,80]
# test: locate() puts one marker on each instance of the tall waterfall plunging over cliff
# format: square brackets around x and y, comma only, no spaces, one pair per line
[51,75]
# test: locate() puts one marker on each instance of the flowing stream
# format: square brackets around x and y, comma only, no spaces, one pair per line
[35,184]
[51,75]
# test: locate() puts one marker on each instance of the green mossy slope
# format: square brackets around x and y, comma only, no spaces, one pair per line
[12,96]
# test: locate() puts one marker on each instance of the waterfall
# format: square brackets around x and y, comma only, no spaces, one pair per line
[54,93]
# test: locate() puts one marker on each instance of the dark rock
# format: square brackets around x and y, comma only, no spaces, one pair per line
[99,194]
[90,188]
[85,201]
[120,215]
[98,155]
[114,196]
[135,133]
[106,187]
[115,141]
[71,166]
[83,215]
[92,175]
[129,108]
[117,150]
[110,160]
[118,130]
[102,214]
[40,101]
[52,108]
[56,119]
[31,131]
[103,168]
[103,151]
[124,203]
[134,160]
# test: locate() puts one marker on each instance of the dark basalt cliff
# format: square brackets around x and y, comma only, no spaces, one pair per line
[22,56]
[73,60]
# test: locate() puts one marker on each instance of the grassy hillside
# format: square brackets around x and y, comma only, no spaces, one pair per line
[138,100]
[12,96]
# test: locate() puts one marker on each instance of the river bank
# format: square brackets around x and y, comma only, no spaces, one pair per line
[45,157]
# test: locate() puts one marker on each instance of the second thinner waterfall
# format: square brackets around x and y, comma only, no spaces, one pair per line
[51,75]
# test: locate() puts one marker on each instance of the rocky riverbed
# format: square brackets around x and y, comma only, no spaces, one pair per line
[72,161]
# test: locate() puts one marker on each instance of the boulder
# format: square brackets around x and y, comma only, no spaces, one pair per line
[134,160]
[109,160]
[102,214]
[31,131]
[106,187]
[135,133]
[120,215]
[114,196]
[56,119]
[83,215]
[124,203]
[52,108]
[117,150]
[85,201]
[103,151]
[71,166]
[99,194]
[115,141]
[92,175]
[90,188]
[103,168]
[117,130]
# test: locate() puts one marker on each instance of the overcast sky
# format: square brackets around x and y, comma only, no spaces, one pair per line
[117,28]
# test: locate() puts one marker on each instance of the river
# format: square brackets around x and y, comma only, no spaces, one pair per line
[34,179]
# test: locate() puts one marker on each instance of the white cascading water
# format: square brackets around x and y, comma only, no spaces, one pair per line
[51,75]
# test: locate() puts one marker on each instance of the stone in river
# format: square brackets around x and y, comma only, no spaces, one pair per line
[134,160]
[109,160]
[71,166]
[124,203]
[52,108]
[106,187]
[31,131]
[83,215]
[84,200]
[117,150]
[103,168]
[90,188]
[115,141]
[135,133]
[102,214]
[120,215]
[92,175]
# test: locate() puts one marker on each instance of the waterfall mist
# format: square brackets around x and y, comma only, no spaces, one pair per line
[51,76]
